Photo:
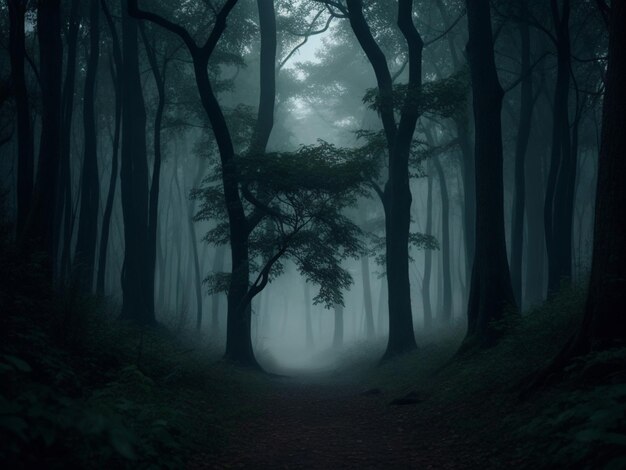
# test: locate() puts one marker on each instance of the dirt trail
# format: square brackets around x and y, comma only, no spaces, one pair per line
[335,425]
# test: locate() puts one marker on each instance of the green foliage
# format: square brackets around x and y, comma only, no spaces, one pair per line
[376,146]
[37,423]
[446,97]
[417,241]
[584,428]
[299,199]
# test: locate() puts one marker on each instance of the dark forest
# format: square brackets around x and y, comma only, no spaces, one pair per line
[313,234]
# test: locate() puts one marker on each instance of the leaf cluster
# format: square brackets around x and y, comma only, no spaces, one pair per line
[446,97]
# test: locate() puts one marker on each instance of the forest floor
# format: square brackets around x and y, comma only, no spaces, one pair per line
[79,389]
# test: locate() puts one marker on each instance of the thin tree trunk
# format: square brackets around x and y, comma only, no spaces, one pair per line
[446,313]
[25,143]
[307,317]
[64,203]
[604,325]
[521,146]
[40,225]
[556,220]
[90,182]
[218,267]
[367,298]
[338,331]
[108,209]
[428,256]
[159,75]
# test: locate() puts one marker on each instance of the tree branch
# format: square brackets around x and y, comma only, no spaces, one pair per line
[182,33]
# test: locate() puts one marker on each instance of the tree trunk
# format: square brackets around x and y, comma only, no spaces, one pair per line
[558,224]
[65,209]
[193,240]
[367,298]
[535,254]
[491,293]
[25,143]
[523,135]
[238,338]
[397,194]
[467,163]
[338,331]
[218,267]
[159,75]
[108,209]
[137,284]
[40,225]
[428,258]
[90,188]
[307,316]
[446,313]
[604,324]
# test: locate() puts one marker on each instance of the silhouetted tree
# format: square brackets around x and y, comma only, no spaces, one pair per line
[86,239]
[137,278]
[491,294]
[40,226]
[25,148]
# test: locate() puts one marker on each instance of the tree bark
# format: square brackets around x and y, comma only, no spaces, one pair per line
[218,267]
[238,338]
[521,146]
[159,75]
[428,258]
[25,143]
[40,225]
[397,194]
[307,316]
[65,208]
[338,331]
[367,298]
[557,219]
[86,240]
[108,209]
[467,163]
[137,285]
[491,293]
[446,313]
[604,324]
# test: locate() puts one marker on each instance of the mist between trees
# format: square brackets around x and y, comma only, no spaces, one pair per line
[290,177]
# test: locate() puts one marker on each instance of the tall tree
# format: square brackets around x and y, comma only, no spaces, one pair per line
[491,293]
[367,297]
[40,225]
[65,208]
[428,256]
[85,255]
[159,72]
[25,148]
[446,313]
[116,71]
[137,281]
[466,154]
[558,207]
[521,146]
[338,330]
[238,338]
[604,324]
[396,195]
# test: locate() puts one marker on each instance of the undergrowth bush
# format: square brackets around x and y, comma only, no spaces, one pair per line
[584,428]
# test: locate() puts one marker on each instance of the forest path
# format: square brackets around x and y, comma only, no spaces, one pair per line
[308,423]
